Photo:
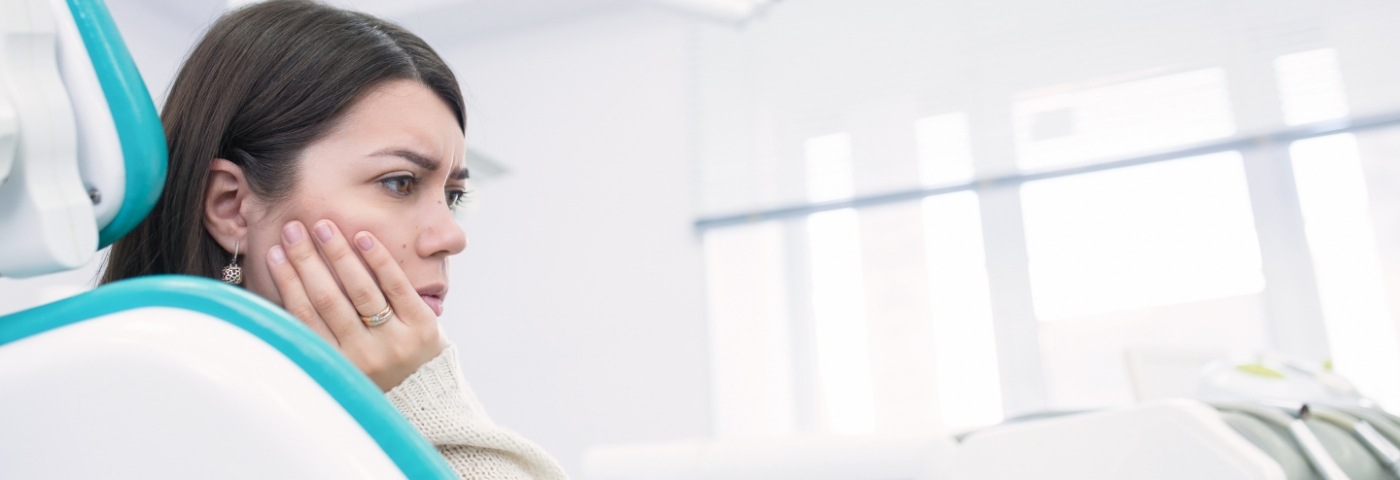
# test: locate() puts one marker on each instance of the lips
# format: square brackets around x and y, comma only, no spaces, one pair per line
[433,297]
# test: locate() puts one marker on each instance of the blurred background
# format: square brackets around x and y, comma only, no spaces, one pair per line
[739,219]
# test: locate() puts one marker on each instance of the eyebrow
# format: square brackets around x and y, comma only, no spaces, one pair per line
[423,161]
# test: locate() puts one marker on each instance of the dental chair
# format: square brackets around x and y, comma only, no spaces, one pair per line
[1160,440]
[1257,417]
[156,377]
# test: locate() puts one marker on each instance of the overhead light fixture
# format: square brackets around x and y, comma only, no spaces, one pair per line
[483,167]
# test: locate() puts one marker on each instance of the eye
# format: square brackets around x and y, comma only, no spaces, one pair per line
[458,198]
[401,185]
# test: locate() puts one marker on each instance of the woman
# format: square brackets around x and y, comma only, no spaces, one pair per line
[316,159]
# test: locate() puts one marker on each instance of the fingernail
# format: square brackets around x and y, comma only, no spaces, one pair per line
[364,242]
[277,255]
[291,233]
[323,231]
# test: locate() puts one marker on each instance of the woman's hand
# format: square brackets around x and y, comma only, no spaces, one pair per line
[337,296]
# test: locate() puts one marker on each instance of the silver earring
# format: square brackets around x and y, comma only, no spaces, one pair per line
[233,274]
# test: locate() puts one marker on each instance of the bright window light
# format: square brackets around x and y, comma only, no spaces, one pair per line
[1156,234]
[969,385]
[838,311]
[1336,217]
[838,290]
[1310,86]
[1123,118]
[750,334]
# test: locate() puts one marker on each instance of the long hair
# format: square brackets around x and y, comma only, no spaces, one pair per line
[266,81]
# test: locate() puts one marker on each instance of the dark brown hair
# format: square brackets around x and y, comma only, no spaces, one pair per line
[266,81]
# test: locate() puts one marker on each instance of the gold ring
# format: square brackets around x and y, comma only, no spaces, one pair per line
[378,318]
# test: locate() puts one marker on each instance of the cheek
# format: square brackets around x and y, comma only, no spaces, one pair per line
[348,219]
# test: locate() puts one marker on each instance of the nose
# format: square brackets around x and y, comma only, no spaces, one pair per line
[439,234]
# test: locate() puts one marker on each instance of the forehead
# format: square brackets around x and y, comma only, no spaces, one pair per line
[396,114]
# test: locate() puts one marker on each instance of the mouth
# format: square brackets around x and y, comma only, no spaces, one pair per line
[433,296]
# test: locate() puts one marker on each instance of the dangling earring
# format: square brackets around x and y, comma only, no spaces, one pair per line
[233,274]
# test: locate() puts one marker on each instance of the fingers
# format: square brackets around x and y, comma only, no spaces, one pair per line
[293,293]
[392,282]
[319,284]
[359,286]
[323,280]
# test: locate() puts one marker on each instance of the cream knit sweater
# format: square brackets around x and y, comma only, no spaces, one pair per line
[438,402]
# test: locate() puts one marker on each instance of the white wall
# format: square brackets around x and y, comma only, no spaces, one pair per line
[578,303]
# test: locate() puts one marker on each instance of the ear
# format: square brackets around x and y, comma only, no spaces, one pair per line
[225,199]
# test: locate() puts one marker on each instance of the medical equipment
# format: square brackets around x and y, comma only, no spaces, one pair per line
[62,199]
[1254,438]
[156,377]
[1274,377]
[1265,417]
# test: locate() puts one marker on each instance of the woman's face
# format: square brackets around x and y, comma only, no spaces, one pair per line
[392,167]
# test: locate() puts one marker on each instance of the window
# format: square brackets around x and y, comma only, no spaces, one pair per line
[1092,202]
[1310,86]
[1121,118]
[1333,196]
[1143,236]
[838,312]
[968,378]
[1336,216]
[838,295]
